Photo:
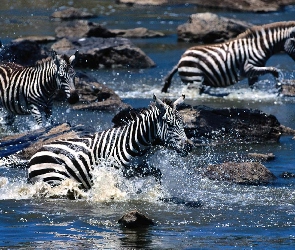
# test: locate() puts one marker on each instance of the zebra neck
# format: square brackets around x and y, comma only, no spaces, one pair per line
[46,73]
[124,144]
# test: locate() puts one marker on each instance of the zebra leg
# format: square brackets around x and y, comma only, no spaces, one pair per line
[36,114]
[252,71]
[143,170]
[168,78]
[252,81]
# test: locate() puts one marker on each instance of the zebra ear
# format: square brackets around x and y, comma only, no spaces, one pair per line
[178,101]
[158,101]
[55,57]
[73,57]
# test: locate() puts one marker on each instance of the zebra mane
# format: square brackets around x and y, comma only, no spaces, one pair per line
[127,115]
[252,32]
[43,62]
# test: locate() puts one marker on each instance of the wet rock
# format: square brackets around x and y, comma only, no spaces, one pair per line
[37,39]
[248,173]
[25,52]
[210,28]
[134,219]
[261,157]
[26,144]
[137,33]
[232,124]
[241,5]
[97,52]
[93,95]
[72,13]
[82,28]
[96,96]
[288,88]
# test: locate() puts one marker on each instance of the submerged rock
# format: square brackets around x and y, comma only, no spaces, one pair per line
[249,173]
[210,28]
[134,219]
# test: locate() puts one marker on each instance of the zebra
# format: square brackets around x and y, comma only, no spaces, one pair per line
[224,64]
[30,90]
[126,144]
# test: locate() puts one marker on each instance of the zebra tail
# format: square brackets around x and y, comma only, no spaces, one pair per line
[168,78]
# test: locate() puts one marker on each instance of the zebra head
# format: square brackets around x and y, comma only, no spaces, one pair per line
[171,128]
[289,45]
[66,76]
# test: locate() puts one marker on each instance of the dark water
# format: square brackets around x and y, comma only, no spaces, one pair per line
[231,216]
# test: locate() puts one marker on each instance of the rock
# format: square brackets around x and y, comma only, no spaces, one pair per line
[288,88]
[137,33]
[82,28]
[241,5]
[248,173]
[72,13]
[261,157]
[210,28]
[97,52]
[93,95]
[134,219]
[25,52]
[232,124]
[26,144]
[96,96]
[37,39]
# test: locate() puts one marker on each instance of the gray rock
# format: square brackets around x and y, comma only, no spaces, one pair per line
[248,173]
[241,5]
[232,124]
[72,13]
[97,52]
[25,52]
[37,39]
[82,28]
[134,219]
[210,28]
[137,33]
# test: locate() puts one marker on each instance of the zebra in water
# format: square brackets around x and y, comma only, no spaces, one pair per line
[224,64]
[134,133]
[30,90]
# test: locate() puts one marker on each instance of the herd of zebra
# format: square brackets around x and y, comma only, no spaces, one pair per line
[30,90]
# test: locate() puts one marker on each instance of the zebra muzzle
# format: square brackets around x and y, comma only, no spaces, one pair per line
[74,97]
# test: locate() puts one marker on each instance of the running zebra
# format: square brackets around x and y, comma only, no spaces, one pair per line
[30,90]
[134,133]
[224,64]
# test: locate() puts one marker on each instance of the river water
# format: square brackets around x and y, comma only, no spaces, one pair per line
[230,216]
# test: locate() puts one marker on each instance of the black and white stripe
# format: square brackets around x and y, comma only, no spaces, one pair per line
[224,64]
[134,133]
[30,90]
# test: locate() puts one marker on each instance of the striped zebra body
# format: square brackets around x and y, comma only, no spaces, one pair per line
[134,133]
[30,90]
[222,65]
